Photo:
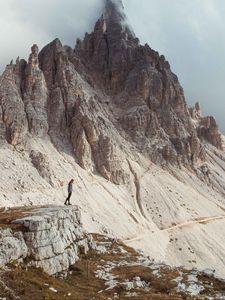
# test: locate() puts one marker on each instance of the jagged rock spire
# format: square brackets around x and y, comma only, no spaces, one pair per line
[114,11]
[115,18]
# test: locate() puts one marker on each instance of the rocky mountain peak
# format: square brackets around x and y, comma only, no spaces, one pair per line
[114,21]
[34,50]
[108,50]
[105,95]
[195,111]
[111,114]
[33,59]
[114,9]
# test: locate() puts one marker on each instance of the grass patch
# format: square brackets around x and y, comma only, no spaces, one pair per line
[7,216]
[82,284]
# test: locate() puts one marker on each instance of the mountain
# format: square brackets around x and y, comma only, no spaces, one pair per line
[111,114]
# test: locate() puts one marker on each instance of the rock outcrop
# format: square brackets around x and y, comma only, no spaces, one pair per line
[35,95]
[13,119]
[207,128]
[114,108]
[49,238]
[107,98]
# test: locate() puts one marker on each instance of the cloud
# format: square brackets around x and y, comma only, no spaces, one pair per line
[25,22]
[189,33]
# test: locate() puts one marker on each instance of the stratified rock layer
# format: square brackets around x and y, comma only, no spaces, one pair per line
[49,238]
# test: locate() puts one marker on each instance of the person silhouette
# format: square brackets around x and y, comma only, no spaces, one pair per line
[70,190]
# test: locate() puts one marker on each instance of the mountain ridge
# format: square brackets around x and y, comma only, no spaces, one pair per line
[111,113]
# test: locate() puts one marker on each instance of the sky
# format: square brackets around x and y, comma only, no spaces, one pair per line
[190,33]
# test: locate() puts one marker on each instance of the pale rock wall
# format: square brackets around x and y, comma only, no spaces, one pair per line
[51,238]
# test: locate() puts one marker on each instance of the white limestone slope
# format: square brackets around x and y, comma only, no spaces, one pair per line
[173,216]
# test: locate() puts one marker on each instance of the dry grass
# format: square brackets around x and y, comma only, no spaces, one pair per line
[81,284]
[6,217]
[12,214]
[35,285]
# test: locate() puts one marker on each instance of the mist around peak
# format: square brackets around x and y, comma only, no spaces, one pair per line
[187,33]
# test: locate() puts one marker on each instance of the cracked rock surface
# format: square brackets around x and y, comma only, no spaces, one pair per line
[49,238]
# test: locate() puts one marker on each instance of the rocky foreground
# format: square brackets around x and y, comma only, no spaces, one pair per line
[48,238]
[110,113]
[45,254]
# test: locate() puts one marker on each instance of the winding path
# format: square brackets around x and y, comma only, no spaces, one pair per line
[193,222]
[181,225]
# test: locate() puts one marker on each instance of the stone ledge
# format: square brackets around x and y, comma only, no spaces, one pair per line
[52,239]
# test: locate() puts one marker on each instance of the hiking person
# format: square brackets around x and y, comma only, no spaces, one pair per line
[70,190]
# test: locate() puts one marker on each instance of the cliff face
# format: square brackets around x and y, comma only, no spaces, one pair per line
[149,101]
[107,92]
[112,107]
[48,238]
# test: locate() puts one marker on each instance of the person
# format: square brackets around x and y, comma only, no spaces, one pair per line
[70,190]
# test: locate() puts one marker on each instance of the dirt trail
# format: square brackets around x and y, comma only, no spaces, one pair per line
[204,220]
[193,222]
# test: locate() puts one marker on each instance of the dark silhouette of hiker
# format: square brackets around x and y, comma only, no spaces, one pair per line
[70,190]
